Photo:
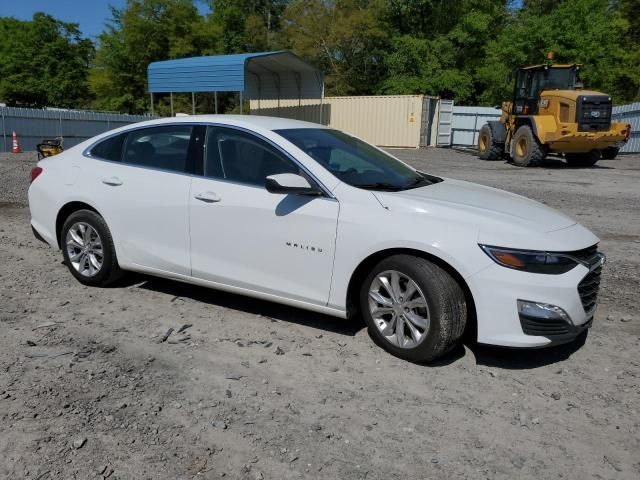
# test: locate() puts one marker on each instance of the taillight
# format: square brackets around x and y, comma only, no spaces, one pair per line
[35,172]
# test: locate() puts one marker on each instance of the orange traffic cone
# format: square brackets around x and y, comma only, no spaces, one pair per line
[16,146]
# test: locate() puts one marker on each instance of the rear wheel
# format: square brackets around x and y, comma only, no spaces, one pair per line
[526,150]
[587,159]
[488,148]
[609,153]
[413,308]
[87,247]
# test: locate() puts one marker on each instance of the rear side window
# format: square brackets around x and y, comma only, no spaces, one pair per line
[110,149]
[166,147]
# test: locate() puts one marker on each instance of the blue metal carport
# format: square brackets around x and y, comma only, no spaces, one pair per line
[263,75]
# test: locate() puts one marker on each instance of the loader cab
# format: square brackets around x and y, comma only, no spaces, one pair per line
[532,81]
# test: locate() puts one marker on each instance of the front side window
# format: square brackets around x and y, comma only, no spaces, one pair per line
[355,162]
[165,147]
[244,158]
[110,149]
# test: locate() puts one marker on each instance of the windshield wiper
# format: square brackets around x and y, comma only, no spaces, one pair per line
[420,181]
[389,187]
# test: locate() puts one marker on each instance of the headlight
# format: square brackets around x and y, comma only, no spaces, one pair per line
[530,261]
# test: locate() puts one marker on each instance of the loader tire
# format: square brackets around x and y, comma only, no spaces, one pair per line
[610,153]
[587,159]
[488,148]
[526,150]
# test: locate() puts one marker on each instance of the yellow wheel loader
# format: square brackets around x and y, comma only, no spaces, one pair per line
[551,112]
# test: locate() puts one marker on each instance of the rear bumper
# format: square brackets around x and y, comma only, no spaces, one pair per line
[43,234]
[37,235]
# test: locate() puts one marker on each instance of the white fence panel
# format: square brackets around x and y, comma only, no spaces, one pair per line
[630,114]
[467,122]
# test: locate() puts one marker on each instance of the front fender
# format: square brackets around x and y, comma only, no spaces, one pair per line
[363,232]
[544,127]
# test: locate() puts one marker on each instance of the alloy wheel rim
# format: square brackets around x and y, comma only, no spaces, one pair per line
[84,248]
[484,141]
[399,309]
[522,147]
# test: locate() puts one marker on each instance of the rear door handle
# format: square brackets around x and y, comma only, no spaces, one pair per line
[112,181]
[207,197]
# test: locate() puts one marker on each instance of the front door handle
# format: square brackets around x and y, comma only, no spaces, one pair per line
[112,181]
[207,197]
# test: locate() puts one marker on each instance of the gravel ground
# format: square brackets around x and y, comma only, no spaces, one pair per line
[253,390]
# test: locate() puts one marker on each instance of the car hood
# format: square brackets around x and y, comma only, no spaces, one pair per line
[487,207]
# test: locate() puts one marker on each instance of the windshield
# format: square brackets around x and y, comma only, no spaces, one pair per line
[355,162]
[560,78]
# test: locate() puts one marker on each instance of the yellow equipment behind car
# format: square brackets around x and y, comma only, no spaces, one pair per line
[49,147]
[551,112]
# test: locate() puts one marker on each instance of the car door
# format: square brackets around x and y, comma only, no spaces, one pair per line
[244,236]
[145,196]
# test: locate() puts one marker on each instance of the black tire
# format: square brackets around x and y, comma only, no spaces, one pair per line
[609,153]
[526,150]
[109,271]
[447,308]
[587,159]
[488,148]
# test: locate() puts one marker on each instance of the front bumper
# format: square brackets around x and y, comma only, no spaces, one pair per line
[557,328]
[496,291]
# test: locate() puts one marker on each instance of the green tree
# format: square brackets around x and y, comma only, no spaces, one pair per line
[441,60]
[248,25]
[346,39]
[142,32]
[594,33]
[43,62]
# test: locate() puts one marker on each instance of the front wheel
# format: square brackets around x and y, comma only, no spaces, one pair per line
[610,153]
[488,148]
[587,159]
[413,308]
[87,247]
[526,150]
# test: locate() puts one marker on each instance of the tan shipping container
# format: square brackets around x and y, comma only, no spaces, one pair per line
[387,121]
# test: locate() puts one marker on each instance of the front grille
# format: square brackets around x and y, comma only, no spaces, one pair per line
[593,113]
[588,290]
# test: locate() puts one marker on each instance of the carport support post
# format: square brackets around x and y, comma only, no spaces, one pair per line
[240,102]
[171,101]
[151,94]
[321,104]
[193,103]
[215,101]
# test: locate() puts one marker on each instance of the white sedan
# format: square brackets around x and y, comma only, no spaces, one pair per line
[309,216]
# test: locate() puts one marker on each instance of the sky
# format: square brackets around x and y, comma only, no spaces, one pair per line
[90,14]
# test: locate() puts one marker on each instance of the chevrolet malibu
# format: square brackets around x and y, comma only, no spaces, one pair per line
[312,217]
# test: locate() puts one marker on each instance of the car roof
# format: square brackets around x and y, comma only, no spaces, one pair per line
[247,121]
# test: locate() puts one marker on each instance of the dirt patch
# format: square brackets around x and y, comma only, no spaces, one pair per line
[91,385]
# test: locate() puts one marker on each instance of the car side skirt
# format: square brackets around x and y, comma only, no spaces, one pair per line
[334,312]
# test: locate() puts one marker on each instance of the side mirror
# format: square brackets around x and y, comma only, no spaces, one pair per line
[290,183]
